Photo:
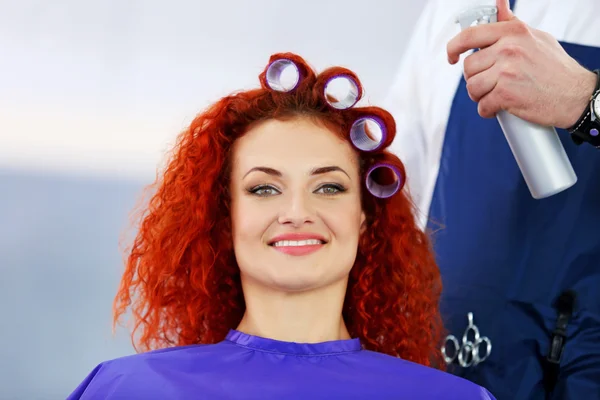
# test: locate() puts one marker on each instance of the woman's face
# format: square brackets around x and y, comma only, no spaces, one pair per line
[296,210]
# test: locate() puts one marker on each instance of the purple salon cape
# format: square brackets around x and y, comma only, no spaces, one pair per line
[249,367]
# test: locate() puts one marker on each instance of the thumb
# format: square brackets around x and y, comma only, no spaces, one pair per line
[504,11]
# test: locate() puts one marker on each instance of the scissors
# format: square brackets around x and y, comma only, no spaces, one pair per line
[469,353]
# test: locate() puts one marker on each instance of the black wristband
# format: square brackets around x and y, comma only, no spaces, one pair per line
[586,130]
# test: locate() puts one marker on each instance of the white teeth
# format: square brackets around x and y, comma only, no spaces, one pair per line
[285,243]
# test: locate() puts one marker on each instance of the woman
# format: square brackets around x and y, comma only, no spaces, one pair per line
[278,259]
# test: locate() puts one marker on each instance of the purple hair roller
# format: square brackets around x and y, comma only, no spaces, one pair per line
[383,191]
[350,94]
[276,71]
[359,133]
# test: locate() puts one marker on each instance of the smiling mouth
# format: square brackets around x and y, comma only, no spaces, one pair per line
[298,247]
[297,243]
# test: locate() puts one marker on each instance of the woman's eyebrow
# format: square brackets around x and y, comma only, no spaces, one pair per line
[266,170]
[324,170]
[314,171]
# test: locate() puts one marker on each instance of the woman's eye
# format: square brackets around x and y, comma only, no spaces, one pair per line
[330,189]
[268,190]
[264,191]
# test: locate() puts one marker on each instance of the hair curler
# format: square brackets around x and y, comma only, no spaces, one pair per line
[383,191]
[537,149]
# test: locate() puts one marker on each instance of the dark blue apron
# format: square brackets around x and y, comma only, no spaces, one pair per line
[506,257]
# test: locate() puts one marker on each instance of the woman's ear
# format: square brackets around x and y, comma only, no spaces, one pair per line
[363,222]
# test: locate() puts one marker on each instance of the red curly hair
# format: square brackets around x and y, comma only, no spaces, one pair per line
[182,281]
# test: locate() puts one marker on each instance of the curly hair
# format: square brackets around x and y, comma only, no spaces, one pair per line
[182,281]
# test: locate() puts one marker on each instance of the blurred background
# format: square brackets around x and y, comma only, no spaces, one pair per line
[92,95]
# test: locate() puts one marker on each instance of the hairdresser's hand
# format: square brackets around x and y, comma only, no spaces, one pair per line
[523,71]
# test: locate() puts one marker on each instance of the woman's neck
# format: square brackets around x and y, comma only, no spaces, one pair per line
[306,317]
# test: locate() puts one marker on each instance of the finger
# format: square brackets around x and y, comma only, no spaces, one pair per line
[489,105]
[504,11]
[483,83]
[475,37]
[479,61]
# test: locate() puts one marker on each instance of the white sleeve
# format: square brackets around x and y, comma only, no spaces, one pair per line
[405,101]
[420,99]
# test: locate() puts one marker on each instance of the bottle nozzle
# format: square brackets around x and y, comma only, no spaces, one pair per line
[477,16]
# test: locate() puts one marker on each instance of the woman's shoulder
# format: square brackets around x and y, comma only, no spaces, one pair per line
[431,381]
[144,372]
[166,355]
